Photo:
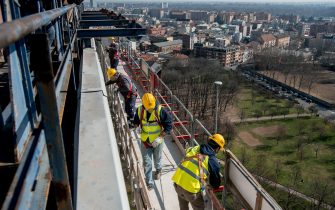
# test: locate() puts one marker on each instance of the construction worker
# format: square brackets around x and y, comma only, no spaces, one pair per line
[127,90]
[155,122]
[113,55]
[199,164]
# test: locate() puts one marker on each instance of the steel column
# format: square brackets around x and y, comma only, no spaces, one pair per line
[41,64]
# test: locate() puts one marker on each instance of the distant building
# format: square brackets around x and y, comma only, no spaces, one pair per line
[157,13]
[303,29]
[168,47]
[283,41]
[263,17]
[157,31]
[180,15]
[202,26]
[188,40]
[221,42]
[228,56]
[267,40]
[322,28]
[199,15]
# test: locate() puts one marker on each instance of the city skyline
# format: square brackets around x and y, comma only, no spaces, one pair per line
[224,1]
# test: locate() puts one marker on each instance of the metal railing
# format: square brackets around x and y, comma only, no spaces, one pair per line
[129,155]
[188,130]
[36,139]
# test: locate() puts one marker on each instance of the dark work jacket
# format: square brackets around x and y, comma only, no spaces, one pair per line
[213,165]
[165,119]
[126,87]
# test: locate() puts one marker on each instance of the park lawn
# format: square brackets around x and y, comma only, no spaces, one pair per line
[263,158]
[264,102]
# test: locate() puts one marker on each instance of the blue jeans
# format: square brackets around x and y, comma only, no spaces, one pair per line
[147,154]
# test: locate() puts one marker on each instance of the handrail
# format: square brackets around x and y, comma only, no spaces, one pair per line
[127,146]
[230,158]
[15,30]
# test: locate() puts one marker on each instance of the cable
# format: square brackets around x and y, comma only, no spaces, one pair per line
[95,91]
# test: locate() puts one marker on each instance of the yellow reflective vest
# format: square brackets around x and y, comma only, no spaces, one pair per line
[187,175]
[151,129]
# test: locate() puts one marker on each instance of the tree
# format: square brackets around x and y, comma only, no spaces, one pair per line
[281,133]
[242,114]
[258,113]
[320,191]
[313,110]
[229,131]
[278,166]
[300,109]
[243,157]
[295,180]
[316,148]
[300,147]
[273,111]
[301,127]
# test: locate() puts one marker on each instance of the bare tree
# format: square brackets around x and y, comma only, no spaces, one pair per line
[320,191]
[278,167]
[300,109]
[243,157]
[316,148]
[281,133]
[242,114]
[258,113]
[229,131]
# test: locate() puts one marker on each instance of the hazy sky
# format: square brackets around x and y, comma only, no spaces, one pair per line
[230,1]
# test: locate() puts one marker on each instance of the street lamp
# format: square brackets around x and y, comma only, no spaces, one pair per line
[217,84]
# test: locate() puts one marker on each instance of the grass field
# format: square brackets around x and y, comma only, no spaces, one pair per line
[263,103]
[295,153]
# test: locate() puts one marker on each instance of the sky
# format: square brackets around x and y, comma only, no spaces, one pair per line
[247,1]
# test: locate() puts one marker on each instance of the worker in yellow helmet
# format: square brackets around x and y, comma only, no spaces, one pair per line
[127,90]
[155,122]
[199,165]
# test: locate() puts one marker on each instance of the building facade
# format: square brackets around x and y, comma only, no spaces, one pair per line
[228,56]
[168,47]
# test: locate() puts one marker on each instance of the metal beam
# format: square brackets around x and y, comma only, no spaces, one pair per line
[95,17]
[13,31]
[41,64]
[88,23]
[91,33]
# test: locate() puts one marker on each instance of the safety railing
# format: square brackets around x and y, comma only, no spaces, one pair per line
[189,131]
[33,140]
[129,155]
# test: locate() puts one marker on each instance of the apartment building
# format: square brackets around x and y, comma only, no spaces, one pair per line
[228,56]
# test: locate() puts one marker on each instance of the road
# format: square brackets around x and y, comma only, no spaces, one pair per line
[321,111]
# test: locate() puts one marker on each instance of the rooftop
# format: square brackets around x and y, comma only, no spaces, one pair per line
[169,43]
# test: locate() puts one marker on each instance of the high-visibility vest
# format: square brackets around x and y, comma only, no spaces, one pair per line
[187,175]
[151,129]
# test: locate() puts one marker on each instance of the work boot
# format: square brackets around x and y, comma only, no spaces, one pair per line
[131,124]
[158,174]
[150,186]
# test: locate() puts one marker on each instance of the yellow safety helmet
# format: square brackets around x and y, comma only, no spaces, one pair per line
[218,138]
[148,101]
[111,72]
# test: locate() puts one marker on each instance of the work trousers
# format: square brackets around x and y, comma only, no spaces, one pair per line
[130,107]
[147,154]
[185,197]
[114,62]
